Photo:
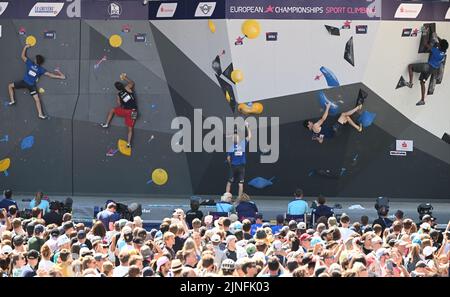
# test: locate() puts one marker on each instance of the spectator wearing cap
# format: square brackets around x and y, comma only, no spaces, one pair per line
[40,203]
[13,212]
[225,204]
[228,267]
[163,266]
[29,270]
[219,254]
[246,208]
[230,251]
[322,210]
[37,241]
[364,223]
[52,242]
[109,216]
[53,216]
[298,206]
[305,241]
[68,228]
[7,200]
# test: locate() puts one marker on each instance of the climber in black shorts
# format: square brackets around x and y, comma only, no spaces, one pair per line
[319,132]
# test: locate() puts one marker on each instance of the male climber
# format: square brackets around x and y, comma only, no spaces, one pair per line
[438,53]
[33,72]
[319,132]
[126,105]
[236,161]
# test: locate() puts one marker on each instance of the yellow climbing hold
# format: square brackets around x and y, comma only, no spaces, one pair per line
[227,96]
[41,90]
[115,40]
[159,176]
[4,164]
[237,76]
[31,40]
[123,148]
[255,108]
[212,26]
[251,28]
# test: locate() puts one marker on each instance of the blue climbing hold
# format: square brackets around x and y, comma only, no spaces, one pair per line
[332,80]
[260,182]
[323,100]
[27,142]
[367,118]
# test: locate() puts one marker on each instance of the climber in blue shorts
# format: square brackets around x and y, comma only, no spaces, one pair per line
[320,132]
[34,70]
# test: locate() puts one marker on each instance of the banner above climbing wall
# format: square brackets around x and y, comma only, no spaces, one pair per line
[300,9]
[304,9]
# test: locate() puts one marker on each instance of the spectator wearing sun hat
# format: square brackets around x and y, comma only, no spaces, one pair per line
[219,254]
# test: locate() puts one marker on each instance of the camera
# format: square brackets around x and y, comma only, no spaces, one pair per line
[424,209]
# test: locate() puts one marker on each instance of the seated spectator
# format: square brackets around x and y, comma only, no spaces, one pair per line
[298,206]
[53,216]
[194,212]
[322,210]
[7,201]
[246,208]
[225,204]
[40,203]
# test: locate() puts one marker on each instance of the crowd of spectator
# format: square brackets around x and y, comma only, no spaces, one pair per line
[189,244]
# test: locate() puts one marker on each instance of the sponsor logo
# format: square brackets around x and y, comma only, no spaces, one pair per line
[271,36]
[114,10]
[447,16]
[205,9]
[46,9]
[3,6]
[361,29]
[166,10]
[397,153]
[140,37]
[408,11]
[404,145]
[50,35]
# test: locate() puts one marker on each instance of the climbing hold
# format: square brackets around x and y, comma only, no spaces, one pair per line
[212,26]
[27,142]
[123,148]
[251,28]
[115,40]
[332,80]
[31,40]
[237,76]
[41,90]
[159,176]
[367,118]
[323,100]
[349,54]
[260,182]
[255,108]
[4,164]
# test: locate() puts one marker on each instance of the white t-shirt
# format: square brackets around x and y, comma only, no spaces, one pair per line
[46,265]
[345,233]
[120,271]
